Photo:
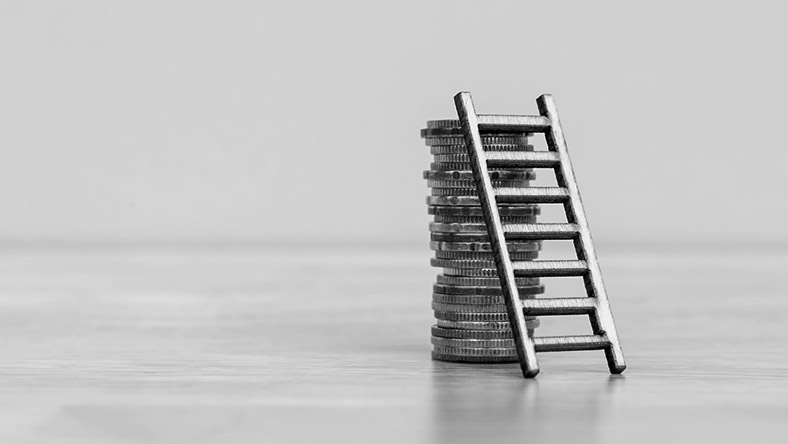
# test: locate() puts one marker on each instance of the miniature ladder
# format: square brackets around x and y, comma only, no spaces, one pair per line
[595,305]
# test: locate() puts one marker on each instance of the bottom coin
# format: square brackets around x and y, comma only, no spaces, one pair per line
[439,356]
[474,351]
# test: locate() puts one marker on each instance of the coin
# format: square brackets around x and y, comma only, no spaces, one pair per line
[473,300]
[472,343]
[473,359]
[468,176]
[471,185]
[463,308]
[471,317]
[480,220]
[465,237]
[485,291]
[474,325]
[459,228]
[453,200]
[503,210]
[453,166]
[483,281]
[472,264]
[444,123]
[486,140]
[463,191]
[483,246]
[457,333]
[479,256]
[458,132]
[462,149]
[471,272]
[473,351]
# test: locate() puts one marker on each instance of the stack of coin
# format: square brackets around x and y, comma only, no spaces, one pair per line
[472,324]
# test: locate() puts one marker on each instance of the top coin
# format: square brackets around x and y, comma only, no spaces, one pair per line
[445,123]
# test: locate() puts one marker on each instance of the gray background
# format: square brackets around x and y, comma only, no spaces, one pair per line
[234,121]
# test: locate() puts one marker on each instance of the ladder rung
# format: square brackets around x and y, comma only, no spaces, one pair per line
[529,124]
[559,306]
[522,159]
[532,195]
[541,231]
[549,268]
[571,343]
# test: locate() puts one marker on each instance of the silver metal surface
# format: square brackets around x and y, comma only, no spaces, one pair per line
[442,332]
[485,291]
[468,176]
[478,299]
[503,210]
[485,139]
[461,149]
[481,282]
[481,256]
[440,245]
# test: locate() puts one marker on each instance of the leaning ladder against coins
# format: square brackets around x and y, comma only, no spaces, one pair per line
[486,238]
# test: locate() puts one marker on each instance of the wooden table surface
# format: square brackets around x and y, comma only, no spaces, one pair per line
[284,344]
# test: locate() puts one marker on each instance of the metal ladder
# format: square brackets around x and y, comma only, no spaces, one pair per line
[596,304]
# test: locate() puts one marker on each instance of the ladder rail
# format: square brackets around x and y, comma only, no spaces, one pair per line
[470,124]
[602,321]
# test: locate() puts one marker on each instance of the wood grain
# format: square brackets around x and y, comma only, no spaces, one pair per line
[331,344]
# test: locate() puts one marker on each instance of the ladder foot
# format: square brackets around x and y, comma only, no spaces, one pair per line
[617,369]
[530,372]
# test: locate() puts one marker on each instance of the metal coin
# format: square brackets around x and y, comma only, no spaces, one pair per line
[473,264]
[473,359]
[459,166]
[471,272]
[471,317]
[444,123]
[473,300]
[530,323]
[479,256]
[464,228]
[463,192]
[487,139]
[453,200]
[474,351]
[462,308]
[474,325]
[482,281]
[451,158]
[468,176]
[472,343]
[480,220]
[471,185]
[504,210]
[485,291]
[448,132]
[454,166]
[441,332]
[461,149]
[483,246]
[463,237]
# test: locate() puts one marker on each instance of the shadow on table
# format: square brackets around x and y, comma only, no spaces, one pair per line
[480,403]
